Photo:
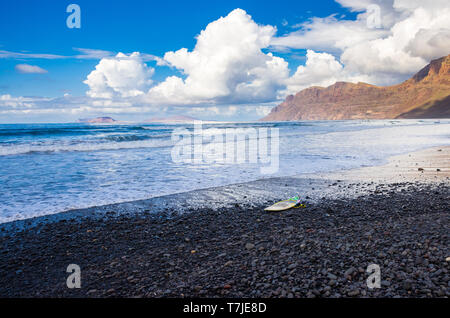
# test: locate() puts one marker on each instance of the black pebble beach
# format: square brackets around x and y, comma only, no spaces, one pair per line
[320,251]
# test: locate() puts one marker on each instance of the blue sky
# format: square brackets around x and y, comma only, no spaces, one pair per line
[155,28]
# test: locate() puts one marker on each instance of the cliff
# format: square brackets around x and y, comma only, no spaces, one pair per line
[425,95]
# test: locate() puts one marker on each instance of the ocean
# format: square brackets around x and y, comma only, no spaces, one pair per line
[49,168]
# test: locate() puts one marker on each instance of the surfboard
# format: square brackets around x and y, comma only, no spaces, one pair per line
[281,206]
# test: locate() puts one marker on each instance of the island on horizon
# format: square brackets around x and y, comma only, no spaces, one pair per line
[97,120]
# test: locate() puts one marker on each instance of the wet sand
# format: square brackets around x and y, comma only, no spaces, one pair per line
[220,243]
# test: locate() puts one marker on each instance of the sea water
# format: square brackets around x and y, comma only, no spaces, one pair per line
[49,168]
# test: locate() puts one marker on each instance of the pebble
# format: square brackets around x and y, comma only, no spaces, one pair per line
[332,276]
[229,254]
[249,246]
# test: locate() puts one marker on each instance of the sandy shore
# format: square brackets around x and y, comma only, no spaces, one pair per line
[429,165]
[225,245]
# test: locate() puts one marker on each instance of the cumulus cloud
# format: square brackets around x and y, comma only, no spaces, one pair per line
[409,35]
[119,76]
[328,34]
[21,105]
[230,72]
[71,108]
[30,69]
[430,44]
[402,51]
[227,65]
[8,101]
[72,105]
[320,69]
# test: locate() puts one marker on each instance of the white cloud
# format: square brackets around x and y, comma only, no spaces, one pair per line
[410,34]
[85,55]
[68,108]
[430,44]
[150,57]
[11,105]
[330,34]
[92,54]
[119,76]
[17,55]
[8,102]
[30,69]
[229,74]
[226,65]
[261,111]
[241,112]
[320,69]
[402,52]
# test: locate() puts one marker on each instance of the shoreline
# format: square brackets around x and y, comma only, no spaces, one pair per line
[235,249]
[321,251]
[425,165]
[264,191]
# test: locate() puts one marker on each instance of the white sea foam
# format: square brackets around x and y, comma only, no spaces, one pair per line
[81,146]
[104,166]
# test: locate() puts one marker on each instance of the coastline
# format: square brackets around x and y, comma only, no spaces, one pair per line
[31,189]
[426,165]
[397,217]
[310,186]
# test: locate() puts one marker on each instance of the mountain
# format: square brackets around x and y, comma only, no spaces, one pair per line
[97,120]
[425,95]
